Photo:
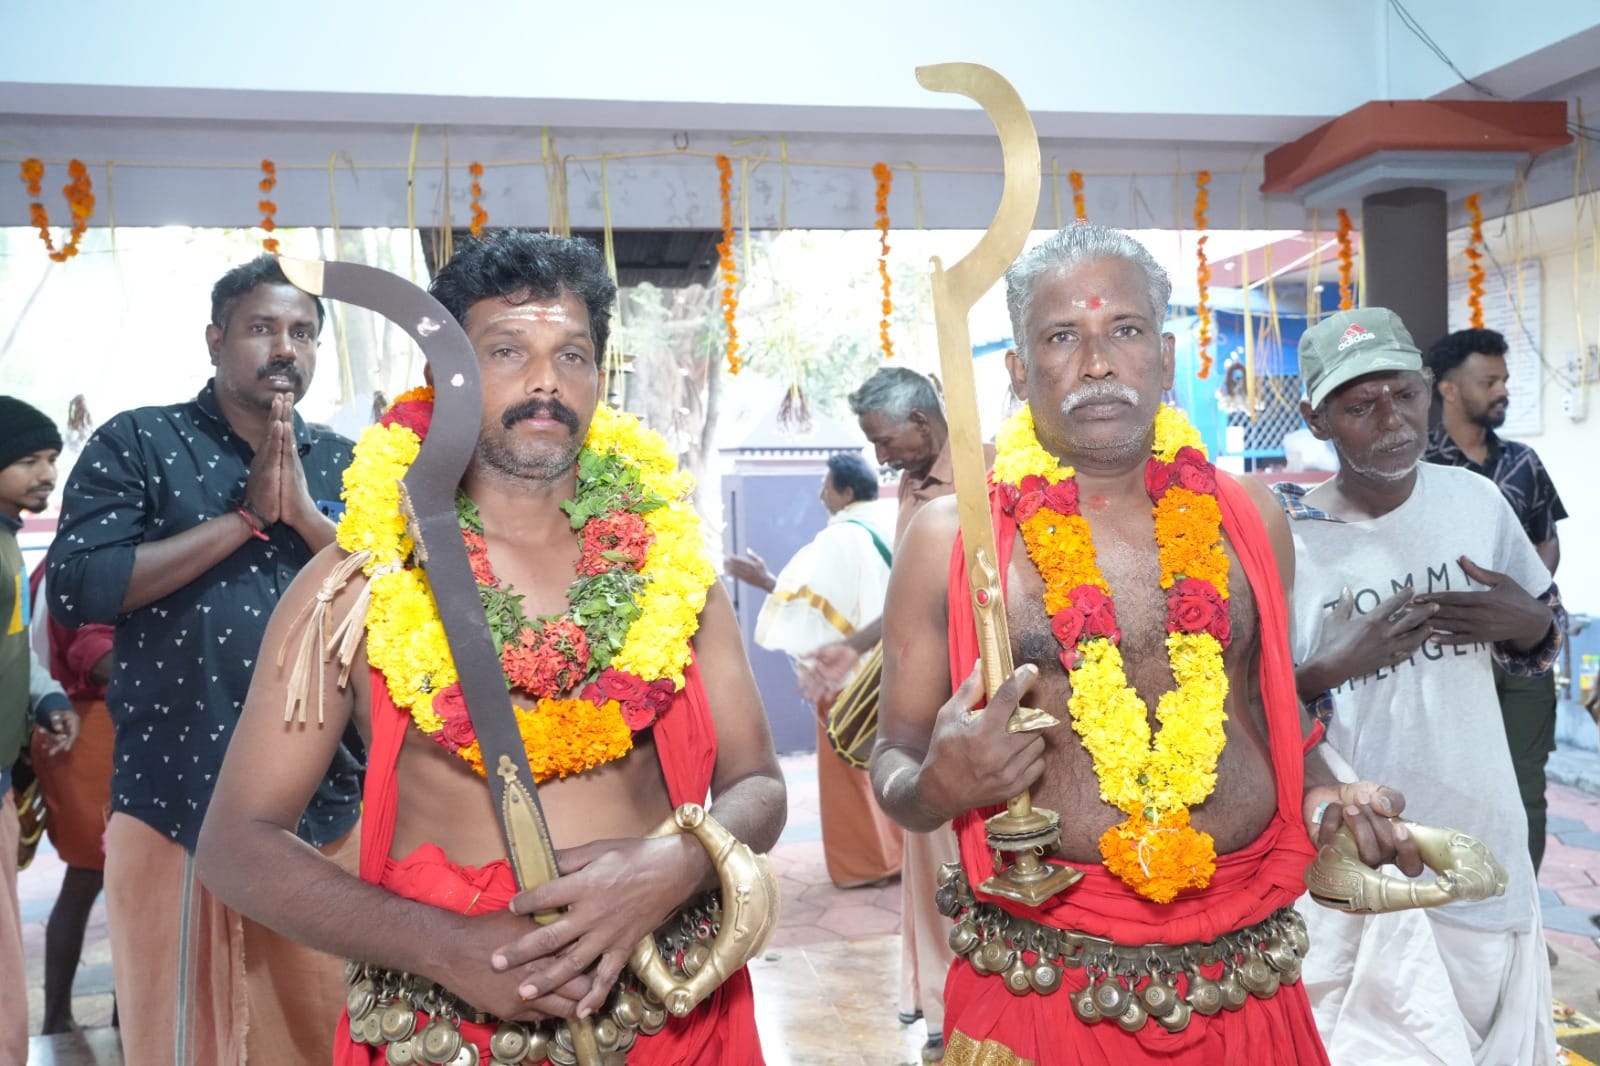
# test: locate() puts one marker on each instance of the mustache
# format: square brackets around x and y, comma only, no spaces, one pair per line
[43,486]
[1100,392]
[283,367]
[541,409]
[1395,442]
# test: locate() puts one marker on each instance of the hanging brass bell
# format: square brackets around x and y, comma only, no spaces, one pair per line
[1233,991]
[1083,1004]
[963,938]
[1016,978]
[1111,998]
[1279,954]
[1256,975]
[1044,976]
[607,1034]
[992,957]
[400,1053]
[1178,1020]
[1205,996]
[628,1010]
[695,958]
[440,1041]
[1133,1016]
[562,1054]
[1298,935]
[467,1056]
[1160,999]
[509,1044]
[359,999]
[397,1022]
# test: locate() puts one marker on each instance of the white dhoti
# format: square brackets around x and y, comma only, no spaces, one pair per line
[1409,989]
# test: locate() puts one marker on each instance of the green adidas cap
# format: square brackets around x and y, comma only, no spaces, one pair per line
[1347,345]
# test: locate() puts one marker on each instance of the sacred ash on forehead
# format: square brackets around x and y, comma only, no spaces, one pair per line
[553,312]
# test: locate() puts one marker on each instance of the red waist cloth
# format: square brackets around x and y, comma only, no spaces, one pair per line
[720,1032]
[1249,884]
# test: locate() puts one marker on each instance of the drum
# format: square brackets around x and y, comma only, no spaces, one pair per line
[853,718]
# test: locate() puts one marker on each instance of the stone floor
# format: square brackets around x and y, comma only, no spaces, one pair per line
[826,987]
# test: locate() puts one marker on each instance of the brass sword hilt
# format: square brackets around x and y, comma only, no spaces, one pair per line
[1023,830]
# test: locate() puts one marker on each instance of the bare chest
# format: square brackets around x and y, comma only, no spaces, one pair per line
[1128,560]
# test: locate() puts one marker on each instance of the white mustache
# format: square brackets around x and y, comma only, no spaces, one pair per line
[1099,392]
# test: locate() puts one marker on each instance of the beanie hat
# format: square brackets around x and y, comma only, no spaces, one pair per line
[24,429]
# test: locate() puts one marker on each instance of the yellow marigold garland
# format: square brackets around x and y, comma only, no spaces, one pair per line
[406,640]
[1079,210]
[729,273]
[885,178]
[1475,271]
[267,206]
[1154,781]
[79,192]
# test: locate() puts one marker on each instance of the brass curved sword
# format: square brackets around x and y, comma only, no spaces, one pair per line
[1022,829]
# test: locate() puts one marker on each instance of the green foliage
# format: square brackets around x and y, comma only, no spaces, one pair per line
[605,484]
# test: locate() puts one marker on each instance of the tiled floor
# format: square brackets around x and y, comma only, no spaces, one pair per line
[826,987]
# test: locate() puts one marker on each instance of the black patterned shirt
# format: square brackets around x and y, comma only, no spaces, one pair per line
[181,666]
[1516,470]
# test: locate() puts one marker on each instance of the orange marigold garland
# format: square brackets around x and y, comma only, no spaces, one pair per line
[269,207]
[80,201]
[1153,779]
[1202,200]
[730,274]
[885,178]
[1347,264]
[1474,262]
[480,217]
[1079,211]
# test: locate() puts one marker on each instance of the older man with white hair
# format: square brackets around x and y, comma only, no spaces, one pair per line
[1413,581]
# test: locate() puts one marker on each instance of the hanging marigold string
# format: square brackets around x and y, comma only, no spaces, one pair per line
[730,275]
[1347,263]
[80,201]
[1475,262]
[885,178]
[1075,179]
[480,217]
[1202,200]
[269,180]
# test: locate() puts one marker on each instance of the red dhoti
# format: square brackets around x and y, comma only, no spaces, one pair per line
[986,1023]
[720,1032]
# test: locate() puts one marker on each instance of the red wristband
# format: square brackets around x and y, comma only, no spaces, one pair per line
[250,520]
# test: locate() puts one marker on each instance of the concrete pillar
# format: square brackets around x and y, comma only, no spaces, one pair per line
[1403,242]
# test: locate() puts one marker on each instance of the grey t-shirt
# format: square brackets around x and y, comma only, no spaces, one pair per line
[1431,725]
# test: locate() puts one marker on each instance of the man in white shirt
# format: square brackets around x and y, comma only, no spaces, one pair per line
[830,590]
[1412,580]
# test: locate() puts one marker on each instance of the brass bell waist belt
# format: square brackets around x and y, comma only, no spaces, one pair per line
[384,1004]
[1128,983]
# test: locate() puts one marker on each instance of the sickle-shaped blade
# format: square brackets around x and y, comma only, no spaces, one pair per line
[430,486]
[954,292]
